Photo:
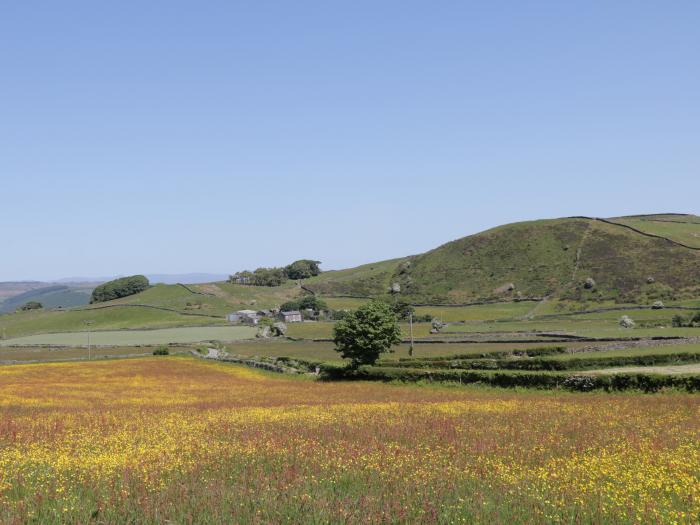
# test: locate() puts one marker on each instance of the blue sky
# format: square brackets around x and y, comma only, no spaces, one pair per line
[170,136]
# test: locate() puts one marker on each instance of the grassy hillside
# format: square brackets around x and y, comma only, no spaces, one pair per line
[175,297]
[160,306]
[537,259]
[137,337]
[363,281]
[37,322]
[239,297]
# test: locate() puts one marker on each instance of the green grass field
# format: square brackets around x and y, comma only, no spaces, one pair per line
[177,298]
[43,354]
[112,318]
[238,297]
[137,337]
[484,312]
[687,232]
[628,352]
[323,351]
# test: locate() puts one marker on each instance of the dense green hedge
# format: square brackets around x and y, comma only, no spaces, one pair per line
[575,363]
[509,379]
[119,288]
[528,352]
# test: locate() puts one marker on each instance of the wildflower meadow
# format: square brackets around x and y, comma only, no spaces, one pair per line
[178,440]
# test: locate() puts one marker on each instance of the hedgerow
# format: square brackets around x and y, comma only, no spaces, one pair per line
[511,379]
[575,363]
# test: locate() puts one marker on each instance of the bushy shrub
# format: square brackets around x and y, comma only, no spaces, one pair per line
[678,321]
[31,305]
[626,322]
[337,315]
[161,350]
[118,288]
[580,383]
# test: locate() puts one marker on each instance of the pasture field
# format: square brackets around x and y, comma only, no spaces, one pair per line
[482,312]
[177,298]
[323,351]
[137,337]
[313,330]
[42,354]
[324,330]
[595,327]
[485,319]
[112,318]
[685,230]
[240,297]
[626,352]
[157,440]
[344,303]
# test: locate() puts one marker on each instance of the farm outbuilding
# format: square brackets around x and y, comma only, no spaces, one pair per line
[292,316]
[244,317]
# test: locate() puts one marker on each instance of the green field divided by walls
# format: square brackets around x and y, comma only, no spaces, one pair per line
[137,337]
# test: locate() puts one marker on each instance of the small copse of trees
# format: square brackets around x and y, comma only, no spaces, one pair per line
[119,288]
[302,269]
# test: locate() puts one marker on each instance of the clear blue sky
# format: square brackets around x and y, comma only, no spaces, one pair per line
[169,136]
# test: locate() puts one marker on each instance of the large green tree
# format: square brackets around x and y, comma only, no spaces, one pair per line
[303,269]
[363,335]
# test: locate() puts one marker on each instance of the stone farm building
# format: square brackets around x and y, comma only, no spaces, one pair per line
[244,317]
[292,316]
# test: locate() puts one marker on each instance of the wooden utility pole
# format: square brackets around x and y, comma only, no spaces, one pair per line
[88,323]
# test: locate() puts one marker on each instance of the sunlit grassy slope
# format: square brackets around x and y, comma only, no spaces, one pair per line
[536,259]
[681,228]
[25,323]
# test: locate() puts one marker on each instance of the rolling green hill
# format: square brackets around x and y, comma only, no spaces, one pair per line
[537,259]
[104,318]
[160,306]
[630,260]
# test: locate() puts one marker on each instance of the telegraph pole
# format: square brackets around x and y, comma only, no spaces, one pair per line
[88,323]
